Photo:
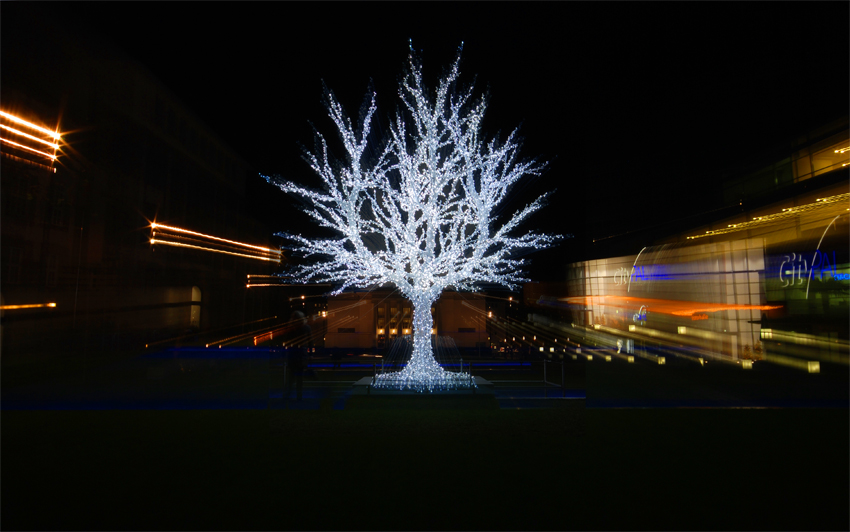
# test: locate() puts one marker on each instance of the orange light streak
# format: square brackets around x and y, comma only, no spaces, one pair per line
[720,307]
[193,240]
[37,305]
[53,157]
[244,336]
[664,306]
[155,225]
[269,335]
[220,328]
[27,135]
[179,244]
[23,122]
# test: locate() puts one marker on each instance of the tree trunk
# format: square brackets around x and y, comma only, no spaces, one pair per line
[422,367]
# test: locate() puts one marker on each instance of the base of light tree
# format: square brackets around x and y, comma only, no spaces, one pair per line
[474,386]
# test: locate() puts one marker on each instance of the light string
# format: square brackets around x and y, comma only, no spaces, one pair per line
[420,213]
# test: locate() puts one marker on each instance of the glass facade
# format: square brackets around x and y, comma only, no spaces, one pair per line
[820,152]
[774,288]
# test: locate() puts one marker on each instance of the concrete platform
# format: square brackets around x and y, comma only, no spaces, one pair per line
[364,387]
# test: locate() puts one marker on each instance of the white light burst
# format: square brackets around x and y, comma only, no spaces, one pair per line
[418,211]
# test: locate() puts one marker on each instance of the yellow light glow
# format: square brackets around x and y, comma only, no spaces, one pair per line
[783,215]
[180,244]
[34,305]
[27,135]
[155,225]
[52,157]
[30,125]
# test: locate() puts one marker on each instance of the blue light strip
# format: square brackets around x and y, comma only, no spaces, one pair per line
[201,353]
[390,366]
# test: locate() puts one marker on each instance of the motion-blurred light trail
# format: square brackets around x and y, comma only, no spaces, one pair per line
[51,157]
[664,306]
[170,236]
[838,201]
[31,142]
[23,122]
[33,305]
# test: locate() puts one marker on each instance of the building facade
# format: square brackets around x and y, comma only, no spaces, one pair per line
[768,281]
[77,230]
[374,319]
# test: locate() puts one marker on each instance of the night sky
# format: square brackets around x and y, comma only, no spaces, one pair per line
[638,107]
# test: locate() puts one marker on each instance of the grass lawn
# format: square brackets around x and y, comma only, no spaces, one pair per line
[389,466]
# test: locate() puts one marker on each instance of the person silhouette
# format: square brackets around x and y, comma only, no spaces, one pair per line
[297,351]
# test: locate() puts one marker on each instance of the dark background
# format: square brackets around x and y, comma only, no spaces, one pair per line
[640,109]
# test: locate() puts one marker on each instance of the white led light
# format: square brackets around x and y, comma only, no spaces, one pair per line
[417,211]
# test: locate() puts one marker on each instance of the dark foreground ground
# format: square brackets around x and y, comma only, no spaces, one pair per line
[463,463]
[418,469]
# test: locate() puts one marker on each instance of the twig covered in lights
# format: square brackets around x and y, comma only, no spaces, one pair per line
[417,211]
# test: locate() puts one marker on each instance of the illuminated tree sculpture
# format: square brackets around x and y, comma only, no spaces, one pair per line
[418,211]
